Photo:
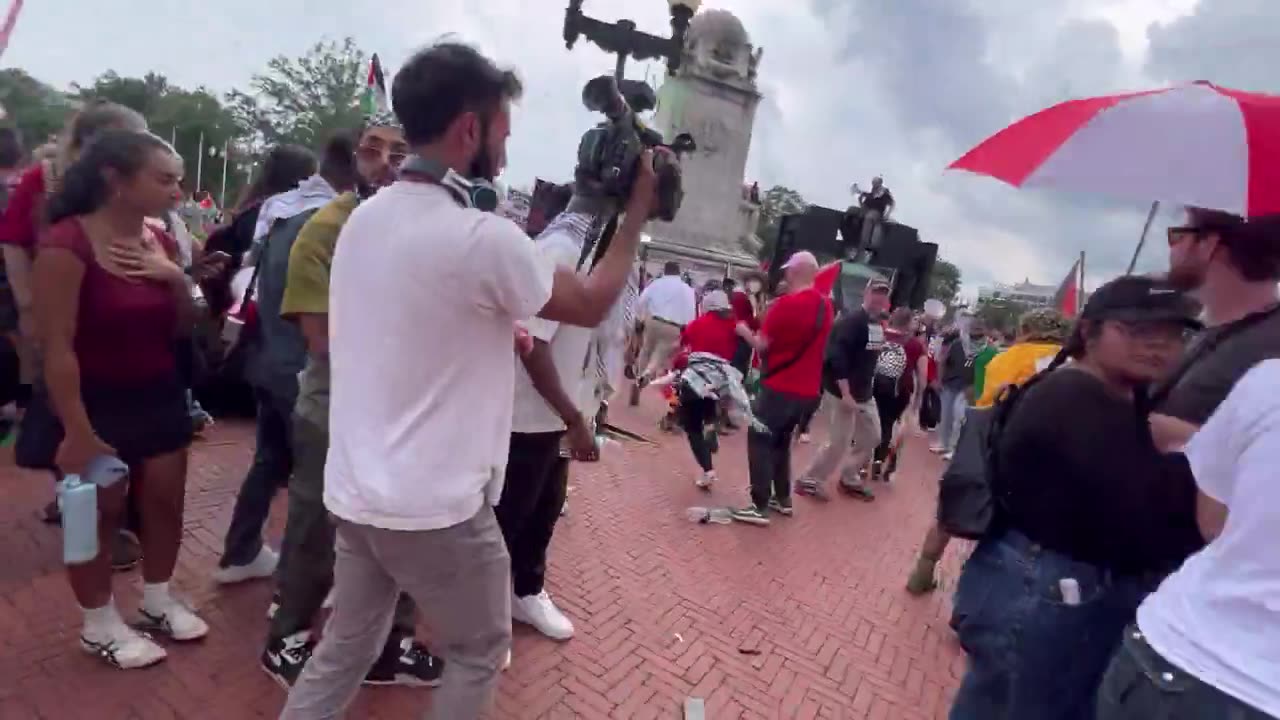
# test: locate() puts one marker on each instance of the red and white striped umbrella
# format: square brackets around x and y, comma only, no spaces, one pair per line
[1196,144]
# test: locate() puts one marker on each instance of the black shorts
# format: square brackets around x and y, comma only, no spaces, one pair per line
[140,421]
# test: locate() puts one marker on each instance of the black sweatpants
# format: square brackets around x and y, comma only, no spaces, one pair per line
[536,483]
[695,413]
[769,453]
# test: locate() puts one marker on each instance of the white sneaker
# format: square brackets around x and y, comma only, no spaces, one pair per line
[706,480]
[328,600]
[539,612]
[263,566]
[123,647]
[175,620]
[506,662]
[805,439]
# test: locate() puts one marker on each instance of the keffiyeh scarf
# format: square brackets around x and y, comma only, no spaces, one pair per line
[712,377]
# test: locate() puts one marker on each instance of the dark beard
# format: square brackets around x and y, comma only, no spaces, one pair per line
[482,166]
[1185,279]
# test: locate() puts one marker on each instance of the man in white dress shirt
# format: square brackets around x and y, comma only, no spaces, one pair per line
[666,306]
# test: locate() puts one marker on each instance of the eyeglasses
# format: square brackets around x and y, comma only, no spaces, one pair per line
[1178,233]
[1157,331]
[373,153]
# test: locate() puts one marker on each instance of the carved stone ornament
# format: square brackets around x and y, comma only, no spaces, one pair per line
[718,45]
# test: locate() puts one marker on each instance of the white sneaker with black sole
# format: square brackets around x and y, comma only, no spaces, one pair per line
[122,647]
[174,620]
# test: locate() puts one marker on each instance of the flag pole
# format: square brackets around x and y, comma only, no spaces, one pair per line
[1151,216]
[1080,287]
[199,161]
[222,194]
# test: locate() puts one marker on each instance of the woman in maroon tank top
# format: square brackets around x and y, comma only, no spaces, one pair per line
[110,301]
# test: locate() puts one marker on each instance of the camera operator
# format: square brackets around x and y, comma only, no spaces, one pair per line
[423,300]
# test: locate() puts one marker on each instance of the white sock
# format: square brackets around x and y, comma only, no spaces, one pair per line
[710,474]
[155,596]
[102,621]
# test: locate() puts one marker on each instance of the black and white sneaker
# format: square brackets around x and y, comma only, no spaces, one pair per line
[284,659]
[406,663]
[274,606]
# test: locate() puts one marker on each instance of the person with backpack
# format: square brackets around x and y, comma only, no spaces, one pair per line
[1089,513]
[899,379]
[848,376]
[1041,333]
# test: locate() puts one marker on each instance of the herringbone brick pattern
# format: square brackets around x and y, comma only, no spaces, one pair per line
[805,619]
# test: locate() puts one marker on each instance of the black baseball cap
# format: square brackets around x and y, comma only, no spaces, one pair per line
[1138,298]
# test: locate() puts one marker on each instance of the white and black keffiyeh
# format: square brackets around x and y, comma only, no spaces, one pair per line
[712,377]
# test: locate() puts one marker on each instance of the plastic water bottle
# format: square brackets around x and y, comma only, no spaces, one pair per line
[78,502]
[703,516]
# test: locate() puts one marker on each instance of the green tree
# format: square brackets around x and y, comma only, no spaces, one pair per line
[944,282]
[1001,315]
[38,110]
[196,121]
[304,100]
[775,203]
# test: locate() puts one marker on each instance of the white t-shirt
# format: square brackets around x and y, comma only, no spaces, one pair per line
[669,298]
[1218,617]
[561,245]
[423,298]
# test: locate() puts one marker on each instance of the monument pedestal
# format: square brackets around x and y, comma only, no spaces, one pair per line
[713,97]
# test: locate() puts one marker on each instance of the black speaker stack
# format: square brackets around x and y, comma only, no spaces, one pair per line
[833,235]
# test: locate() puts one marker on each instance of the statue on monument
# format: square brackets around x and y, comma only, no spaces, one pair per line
[718,45]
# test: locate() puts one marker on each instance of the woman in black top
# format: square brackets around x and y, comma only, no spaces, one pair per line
[1090,515]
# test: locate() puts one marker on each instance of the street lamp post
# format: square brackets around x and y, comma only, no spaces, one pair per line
[622,37]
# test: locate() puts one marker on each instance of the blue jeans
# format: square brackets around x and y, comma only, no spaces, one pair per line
[1141,685]
[954,404]
[1032,656]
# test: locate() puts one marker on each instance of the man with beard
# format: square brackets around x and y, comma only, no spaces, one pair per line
[307,575]
[1232,266]
[425,291]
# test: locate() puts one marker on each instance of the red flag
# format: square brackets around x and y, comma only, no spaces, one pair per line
[825,281]
[10,21]
[1067,299]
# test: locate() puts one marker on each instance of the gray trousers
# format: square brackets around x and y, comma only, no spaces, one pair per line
[308,542]
[460,577]
[858,426]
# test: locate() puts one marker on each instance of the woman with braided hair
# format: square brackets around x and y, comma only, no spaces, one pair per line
[1090,514]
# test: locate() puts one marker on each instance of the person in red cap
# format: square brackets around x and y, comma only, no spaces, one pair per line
[791,342]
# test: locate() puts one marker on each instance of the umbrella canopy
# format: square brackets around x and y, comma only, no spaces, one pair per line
[1196,144]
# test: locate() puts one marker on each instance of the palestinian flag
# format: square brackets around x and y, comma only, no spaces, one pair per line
[1067,299]
[374,102]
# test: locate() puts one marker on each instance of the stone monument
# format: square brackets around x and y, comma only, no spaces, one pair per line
[713,97]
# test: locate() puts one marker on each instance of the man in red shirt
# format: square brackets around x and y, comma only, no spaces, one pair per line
[791,342]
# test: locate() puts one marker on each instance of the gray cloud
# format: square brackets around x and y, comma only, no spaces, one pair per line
[852,88]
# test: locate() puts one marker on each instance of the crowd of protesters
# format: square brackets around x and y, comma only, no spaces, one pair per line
[1126,572]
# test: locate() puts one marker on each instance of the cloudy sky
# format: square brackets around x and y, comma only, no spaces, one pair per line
[852,88]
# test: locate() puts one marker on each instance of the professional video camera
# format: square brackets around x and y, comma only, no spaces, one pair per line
[608,152]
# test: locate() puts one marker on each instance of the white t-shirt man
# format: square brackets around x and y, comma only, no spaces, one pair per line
[423,297]
[561,245]
[1218,617]
[669,298]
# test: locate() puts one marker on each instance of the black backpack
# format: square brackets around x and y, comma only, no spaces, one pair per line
[969,496]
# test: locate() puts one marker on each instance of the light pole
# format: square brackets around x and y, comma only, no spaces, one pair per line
[622,37]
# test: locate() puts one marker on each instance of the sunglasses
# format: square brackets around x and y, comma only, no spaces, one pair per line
[373,152]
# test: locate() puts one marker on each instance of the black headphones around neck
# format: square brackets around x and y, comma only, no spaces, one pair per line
[478,194]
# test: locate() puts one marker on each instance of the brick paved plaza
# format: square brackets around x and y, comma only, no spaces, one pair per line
[805,619]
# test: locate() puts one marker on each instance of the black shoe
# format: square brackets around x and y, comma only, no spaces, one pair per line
[406,662]
[284,659]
